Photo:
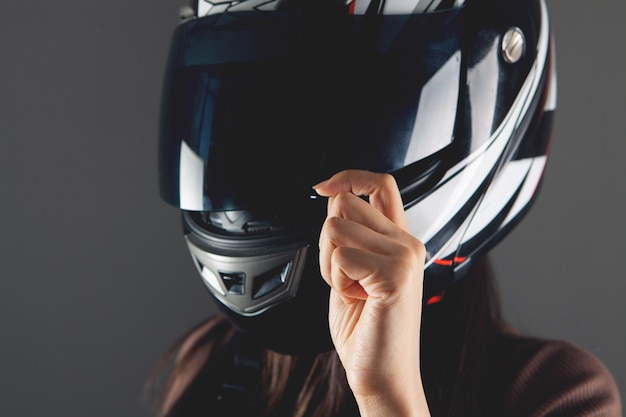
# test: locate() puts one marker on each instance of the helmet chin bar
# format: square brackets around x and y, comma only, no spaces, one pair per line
[248,274]
[249,285]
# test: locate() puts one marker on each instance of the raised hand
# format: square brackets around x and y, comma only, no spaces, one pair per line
[374,267]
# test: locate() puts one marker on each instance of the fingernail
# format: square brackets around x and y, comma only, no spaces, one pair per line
[320,184]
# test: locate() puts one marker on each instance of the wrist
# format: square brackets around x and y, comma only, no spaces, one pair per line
[387,405]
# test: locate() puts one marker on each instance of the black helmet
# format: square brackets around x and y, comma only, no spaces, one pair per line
[454,98]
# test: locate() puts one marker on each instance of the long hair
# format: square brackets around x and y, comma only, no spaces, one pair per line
[455,335]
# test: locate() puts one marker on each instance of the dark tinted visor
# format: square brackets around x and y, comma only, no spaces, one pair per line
[259,106]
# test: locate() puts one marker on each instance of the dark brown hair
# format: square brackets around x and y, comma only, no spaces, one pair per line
[455,334]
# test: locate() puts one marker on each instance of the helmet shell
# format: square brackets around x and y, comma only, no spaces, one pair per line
[454,99]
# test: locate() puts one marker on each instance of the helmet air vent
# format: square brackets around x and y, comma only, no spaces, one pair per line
[235,282]
[209,277]
[270,280]
[257,226]
[239,222]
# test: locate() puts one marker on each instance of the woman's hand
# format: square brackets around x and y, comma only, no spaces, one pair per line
[374,267]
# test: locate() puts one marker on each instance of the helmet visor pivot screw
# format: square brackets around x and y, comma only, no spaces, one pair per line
[513,45]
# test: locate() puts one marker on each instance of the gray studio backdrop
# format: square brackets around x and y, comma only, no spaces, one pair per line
[95,281]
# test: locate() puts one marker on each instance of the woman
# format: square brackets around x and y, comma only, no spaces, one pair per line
[429,124]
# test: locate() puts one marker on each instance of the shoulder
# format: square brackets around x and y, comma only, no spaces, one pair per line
[543,377]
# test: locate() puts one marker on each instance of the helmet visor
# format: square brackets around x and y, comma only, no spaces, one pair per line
[259,106]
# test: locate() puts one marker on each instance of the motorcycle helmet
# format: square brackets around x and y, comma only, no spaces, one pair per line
[454,98]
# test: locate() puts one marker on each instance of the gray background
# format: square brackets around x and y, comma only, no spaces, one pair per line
[95,280]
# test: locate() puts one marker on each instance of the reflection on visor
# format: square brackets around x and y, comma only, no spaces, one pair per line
[255,102]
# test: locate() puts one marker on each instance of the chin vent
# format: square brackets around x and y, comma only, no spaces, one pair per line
[269,281]
[235,282]
[209,277]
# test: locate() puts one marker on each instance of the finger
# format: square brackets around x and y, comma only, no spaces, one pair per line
[339,232]
[356,274]
[346,274]
[381,189]
[350,207]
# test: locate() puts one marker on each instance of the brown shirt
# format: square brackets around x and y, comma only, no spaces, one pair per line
[537,377]
[526,377]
